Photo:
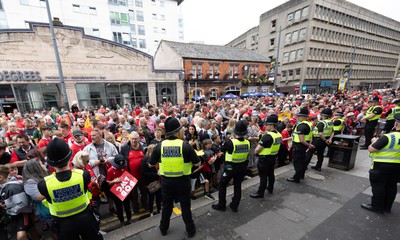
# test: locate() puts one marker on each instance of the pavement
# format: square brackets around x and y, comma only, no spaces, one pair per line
[326,205]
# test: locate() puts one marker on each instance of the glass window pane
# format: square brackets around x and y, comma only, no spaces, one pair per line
[141,94]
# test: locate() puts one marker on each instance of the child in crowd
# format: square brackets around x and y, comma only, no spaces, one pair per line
[13,175]
[216,148]
[208,165]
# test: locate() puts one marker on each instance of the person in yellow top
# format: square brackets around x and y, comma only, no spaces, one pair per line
[237,150]
[267,150]
[385,170]
[175,159]
[371,121]
[302,138]
[67,196]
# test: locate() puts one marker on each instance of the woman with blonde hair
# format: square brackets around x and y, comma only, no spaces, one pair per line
[231,126]
[151,177]
[109,137]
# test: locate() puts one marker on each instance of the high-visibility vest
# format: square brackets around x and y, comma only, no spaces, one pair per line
[307,137]
[340,127]
[67,198]
[370,111]
[172,163]
[395,110]
[240,152]
[274,149]
[389,153]
[328,128]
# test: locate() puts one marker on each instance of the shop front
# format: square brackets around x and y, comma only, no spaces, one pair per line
[96,72]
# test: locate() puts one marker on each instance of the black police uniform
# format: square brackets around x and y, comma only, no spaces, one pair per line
[176,189]
[320,146]
[299,152]
[371,125]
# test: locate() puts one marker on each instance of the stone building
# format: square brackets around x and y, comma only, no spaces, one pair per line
[211,71]
[322,41]
[96,71]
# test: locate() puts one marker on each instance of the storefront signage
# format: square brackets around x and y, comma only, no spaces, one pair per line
[15,76]
[76,78]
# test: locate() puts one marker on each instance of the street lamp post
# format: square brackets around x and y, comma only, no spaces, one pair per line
[60,72]
[277,57]
[353,58]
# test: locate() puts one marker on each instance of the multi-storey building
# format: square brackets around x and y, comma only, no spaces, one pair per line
[211,71]
[322,41]
[138,23]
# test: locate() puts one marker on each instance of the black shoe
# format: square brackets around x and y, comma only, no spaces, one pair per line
[316,169]
[270,190]
[127,223]
[302,177]
[218,207]
[388,210]
[234,209]
[191,234]
[256,195]
[292,180]
[163,232]
[369,207]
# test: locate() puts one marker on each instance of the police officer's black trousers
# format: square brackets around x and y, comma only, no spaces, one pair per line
[176,189]
[282,155]
[237,171]
[80,226]
[389,126]
[266,166]
[369,131]
[299,163]
[384,178]
[320,149]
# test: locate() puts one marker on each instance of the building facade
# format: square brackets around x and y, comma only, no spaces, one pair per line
[137,23]
[322,41]
[210,71]
[96,71]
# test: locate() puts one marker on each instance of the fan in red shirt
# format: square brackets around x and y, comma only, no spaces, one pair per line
[78,143]
[46,131]
[134,152]
[66,133]
[118,167]
[13,131]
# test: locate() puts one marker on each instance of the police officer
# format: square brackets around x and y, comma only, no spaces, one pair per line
[175,158]
[237,150]
[390,115]
[371,118]
[302,137]
[322,137]
[67,196]
[267,150]
[385,170]
[338,123]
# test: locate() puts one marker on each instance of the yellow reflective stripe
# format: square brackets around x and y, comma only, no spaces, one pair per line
[83,206]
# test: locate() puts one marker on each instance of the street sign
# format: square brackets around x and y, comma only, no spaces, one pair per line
[303,88]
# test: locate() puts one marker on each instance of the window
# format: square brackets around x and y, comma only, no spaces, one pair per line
[122,2]
[92,11]
[286,57]
[117,37]
[295,36]
[96,32]
[42,3]
[139,16]
[114,17]
[154,16]
[180,22]
[76,8]
[153,2]
[155,43]
[297,15]
[24,2]
[290,72]
[139,3]
[304,12]
[272,42]
[298,71]
[163,31]
[300,53]
[292,56]
[126,39]
[302,34]
[290,18]
[273,23]
[1,5]
[131,15]
[155,29]
[161,3]
[133,29]
[162,17]
[119,18]
[142,43]
[134,42]
[141,30]
[181,36]
[287,38]
[284,74]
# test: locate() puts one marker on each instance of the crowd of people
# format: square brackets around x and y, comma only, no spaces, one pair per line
[100,144]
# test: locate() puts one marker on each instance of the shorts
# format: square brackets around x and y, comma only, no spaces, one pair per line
[22,222]
[208,175]
[193,182]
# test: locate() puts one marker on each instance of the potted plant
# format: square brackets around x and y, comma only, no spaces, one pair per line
[246,80]
[227,75]
[235,75]
[216,74]
[209,74]
[199,74]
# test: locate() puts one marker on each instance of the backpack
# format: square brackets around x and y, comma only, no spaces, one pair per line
[15,198]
